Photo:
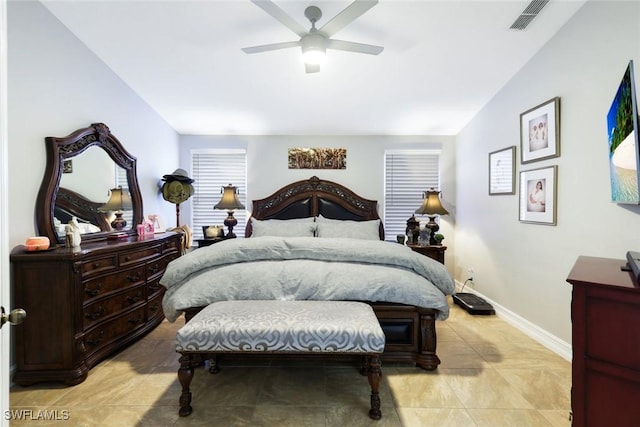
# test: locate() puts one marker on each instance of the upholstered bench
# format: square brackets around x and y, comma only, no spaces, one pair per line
[277,327]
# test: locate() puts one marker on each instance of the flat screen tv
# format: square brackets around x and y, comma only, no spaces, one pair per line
[624,143]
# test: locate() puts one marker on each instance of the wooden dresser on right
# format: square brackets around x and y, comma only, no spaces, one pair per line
[605,314]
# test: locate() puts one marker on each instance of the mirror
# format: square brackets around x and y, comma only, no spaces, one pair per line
[81,169]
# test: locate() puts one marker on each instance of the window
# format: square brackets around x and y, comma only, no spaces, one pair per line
[212,170]
[122,181]
[408,174]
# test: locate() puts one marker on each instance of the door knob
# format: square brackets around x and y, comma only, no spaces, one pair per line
[16,316]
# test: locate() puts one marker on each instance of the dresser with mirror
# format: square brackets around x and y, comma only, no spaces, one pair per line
[85,303]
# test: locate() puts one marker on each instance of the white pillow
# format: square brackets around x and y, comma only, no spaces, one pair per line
[365,230]
[88,228]
[299,227]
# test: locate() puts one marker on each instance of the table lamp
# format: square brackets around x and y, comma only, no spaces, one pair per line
[229,202]
[431,207]
[120,200]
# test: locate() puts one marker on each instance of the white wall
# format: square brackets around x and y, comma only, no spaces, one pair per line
[56,85]
[522,266]
[267,168]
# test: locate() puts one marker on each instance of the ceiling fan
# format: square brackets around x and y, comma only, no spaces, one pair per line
[315,42]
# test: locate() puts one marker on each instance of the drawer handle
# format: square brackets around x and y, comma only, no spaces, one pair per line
[133,300]
[135,321]
[97,340]
[154,269]
[94,316]
[134,277]
[94,292]
[127,258]
[96,265]
[154,307]
[154,287]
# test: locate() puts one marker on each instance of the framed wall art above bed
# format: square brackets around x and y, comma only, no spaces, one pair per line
[317,158]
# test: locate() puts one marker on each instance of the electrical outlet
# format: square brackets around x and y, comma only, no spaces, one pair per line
[470,273]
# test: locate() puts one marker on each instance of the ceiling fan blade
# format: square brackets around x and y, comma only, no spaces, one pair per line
[354,47]
[280,15]
[348,15]
[312,68]
[268,47]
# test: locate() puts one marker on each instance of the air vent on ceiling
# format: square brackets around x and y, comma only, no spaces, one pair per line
[531,11]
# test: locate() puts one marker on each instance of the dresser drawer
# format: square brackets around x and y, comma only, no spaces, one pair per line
[104,285]
[154,307]
[101,309]
[154,287]
[114,329]
[132,257]
[99,265]
[613,339]
[157,266]
[171,245]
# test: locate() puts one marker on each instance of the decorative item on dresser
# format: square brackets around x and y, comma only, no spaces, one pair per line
[85,304]
[605,313]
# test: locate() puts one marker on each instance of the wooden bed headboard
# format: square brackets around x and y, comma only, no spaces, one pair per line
[313,197]
[71,204]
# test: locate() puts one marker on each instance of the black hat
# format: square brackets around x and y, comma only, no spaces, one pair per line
[178,175]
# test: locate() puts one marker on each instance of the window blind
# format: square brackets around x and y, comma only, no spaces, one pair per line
[212,170]
[408,174]
[122,181]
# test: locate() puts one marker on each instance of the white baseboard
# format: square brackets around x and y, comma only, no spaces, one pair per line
[550,341]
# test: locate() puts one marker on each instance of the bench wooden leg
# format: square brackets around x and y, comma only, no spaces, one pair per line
[364,369]
[185,375]
[214,368]
[374,374]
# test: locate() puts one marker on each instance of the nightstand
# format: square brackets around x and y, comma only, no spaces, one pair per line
[208,241]
[434,251]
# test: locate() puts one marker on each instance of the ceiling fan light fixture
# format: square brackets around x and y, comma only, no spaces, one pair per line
[315,42]
[314,48]
[313,56]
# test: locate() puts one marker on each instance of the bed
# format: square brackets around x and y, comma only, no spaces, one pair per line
[70,204]
[340,255]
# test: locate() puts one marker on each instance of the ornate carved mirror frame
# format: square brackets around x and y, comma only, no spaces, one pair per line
[64,148]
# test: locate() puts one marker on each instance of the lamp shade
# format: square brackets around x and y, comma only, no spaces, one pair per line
[431,204]
[229,200]
[120,200]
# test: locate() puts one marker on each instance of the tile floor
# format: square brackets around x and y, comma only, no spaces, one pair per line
[491,375]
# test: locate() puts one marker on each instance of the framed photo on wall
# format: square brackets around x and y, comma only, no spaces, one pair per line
[540,132]
[502,171]
[538,195]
